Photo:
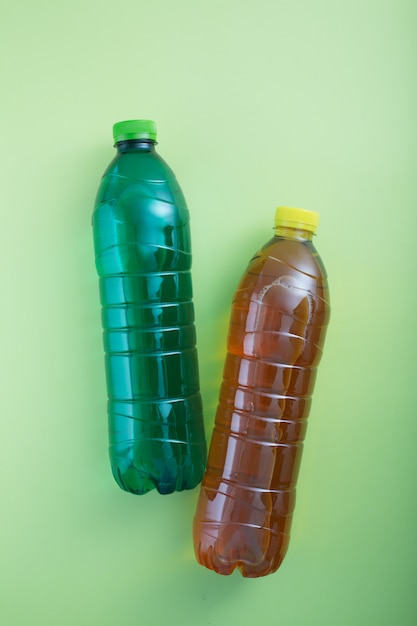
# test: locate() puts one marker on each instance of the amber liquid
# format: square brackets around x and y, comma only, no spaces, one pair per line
[276,334]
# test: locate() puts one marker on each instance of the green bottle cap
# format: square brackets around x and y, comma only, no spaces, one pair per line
[134,129]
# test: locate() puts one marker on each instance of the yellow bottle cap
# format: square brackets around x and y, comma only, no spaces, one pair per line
[296,218]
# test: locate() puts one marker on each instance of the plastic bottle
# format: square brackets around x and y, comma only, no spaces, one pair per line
[143,258]
[278,323]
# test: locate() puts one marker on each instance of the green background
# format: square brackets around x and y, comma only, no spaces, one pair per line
[306,103]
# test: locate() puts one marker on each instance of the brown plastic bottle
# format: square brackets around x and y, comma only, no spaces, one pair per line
[278,323]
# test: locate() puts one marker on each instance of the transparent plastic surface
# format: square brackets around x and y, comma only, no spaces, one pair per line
[279,316]
[143,258]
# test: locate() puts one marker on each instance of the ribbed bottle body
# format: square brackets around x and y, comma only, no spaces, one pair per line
[143,258]
[279,316]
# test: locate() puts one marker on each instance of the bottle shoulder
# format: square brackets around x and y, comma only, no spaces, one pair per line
[141,175]
[140,165]
[291,264]
[280,255]
[283,289]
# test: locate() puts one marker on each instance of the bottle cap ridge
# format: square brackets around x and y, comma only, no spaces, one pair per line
[134,129]
[296,218]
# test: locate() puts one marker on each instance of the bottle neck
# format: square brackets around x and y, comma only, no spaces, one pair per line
[296,234]
[135,145]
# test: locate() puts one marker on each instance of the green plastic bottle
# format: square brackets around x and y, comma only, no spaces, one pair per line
[143,259]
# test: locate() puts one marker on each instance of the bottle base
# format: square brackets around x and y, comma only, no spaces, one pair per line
[254,551]
[247,569]
[133,480]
